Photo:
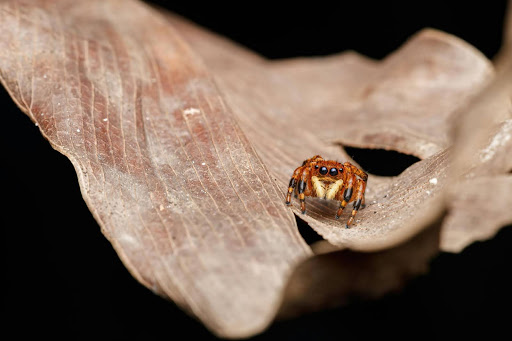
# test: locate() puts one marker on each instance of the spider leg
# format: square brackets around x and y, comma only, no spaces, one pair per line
[360,188]
[301,188]
[363,175]
[360,173]
[347,195]
[293,182]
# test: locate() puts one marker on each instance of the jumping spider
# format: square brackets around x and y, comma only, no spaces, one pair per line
[329,180]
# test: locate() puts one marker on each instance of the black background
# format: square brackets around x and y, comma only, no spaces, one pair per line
[62,278]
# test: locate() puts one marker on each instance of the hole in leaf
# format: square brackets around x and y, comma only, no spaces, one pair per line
[381,161]
[308,234]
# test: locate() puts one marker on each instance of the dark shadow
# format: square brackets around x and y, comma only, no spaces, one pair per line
[308,234]
[462,295]
[380,161]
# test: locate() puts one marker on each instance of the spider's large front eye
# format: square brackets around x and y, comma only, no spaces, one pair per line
[333,172]
[323,170]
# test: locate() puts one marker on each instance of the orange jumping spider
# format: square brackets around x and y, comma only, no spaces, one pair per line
[329,180]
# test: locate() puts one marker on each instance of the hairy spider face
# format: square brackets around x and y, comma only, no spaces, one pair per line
[329,171]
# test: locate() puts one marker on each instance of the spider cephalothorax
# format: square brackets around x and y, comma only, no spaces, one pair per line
[329,180]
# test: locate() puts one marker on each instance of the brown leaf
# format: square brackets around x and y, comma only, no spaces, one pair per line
[408,102]
[480,201]
[178,186]
[404,102]
[173,182]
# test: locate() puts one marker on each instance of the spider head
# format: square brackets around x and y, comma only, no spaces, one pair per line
[328,170]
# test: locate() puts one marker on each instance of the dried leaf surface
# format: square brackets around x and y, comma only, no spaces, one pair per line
[166,171]
[294,109]
[479,203]
[425,89]
[182,195]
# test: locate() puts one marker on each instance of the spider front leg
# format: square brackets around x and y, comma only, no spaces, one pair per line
[360,189]
[347,195]
[302,188]
[293,182]
[297,174]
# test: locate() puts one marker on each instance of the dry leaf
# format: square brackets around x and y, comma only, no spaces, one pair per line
[404,102]
[164,168]
[480,201]
[143,104]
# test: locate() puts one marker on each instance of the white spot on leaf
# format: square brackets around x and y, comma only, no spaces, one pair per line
[191,111]
[497,141]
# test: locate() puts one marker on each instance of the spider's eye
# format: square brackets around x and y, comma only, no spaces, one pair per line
[341,169]
[316,166]
[323,170]
[333,172]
